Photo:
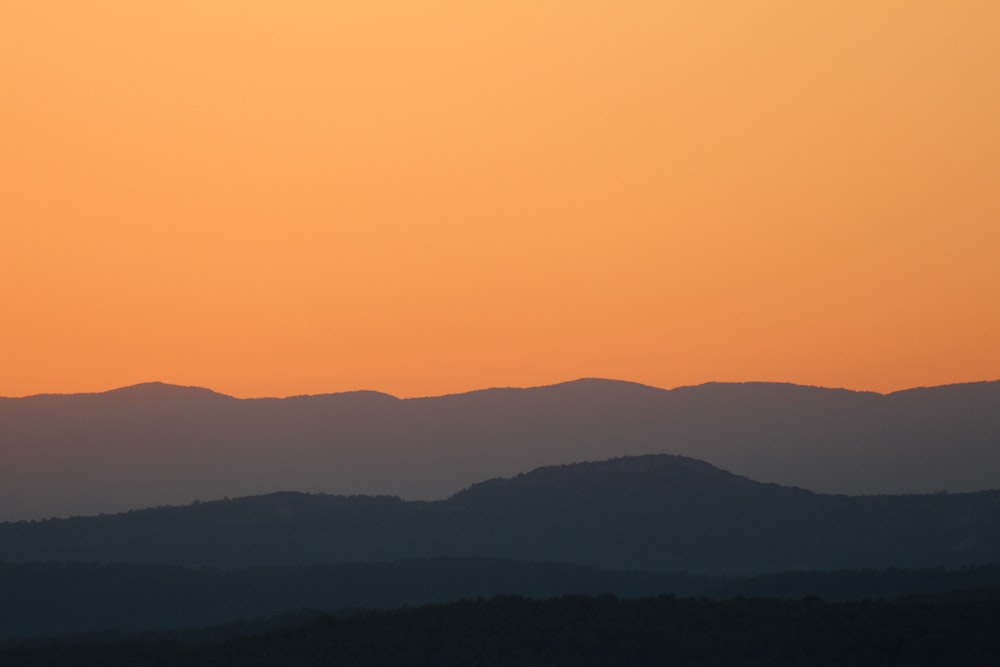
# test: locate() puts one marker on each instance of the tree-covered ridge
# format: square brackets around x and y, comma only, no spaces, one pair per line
[577,631]
[47,599]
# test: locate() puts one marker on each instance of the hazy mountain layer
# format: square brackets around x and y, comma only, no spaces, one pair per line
[654,512]
[157,444]
[42,599]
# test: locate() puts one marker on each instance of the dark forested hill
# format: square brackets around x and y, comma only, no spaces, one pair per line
[50,599]
[653,512]
[577,631]
[157,444]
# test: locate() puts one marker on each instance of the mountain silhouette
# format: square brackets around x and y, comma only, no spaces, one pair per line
[73,598]
[656,512]
[157,444]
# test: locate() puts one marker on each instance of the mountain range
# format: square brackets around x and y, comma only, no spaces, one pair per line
[46,599]
[156,444]
[632,526]
[655,512]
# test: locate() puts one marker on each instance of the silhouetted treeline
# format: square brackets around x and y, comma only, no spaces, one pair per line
[59,599]
[582,631]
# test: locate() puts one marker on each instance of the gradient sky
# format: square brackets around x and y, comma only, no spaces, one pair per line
[274,198]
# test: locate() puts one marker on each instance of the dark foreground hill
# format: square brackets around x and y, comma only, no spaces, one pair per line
[581,631]
[157,444]
[54,599]
[653,512]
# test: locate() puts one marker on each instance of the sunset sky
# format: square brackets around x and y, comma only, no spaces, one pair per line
[277,198]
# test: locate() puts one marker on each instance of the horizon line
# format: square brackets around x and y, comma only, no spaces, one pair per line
[162,383]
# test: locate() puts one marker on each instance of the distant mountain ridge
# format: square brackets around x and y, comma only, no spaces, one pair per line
[156,444]
[656,512]
[71,598]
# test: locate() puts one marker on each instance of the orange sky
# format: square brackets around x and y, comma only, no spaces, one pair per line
[274,198]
